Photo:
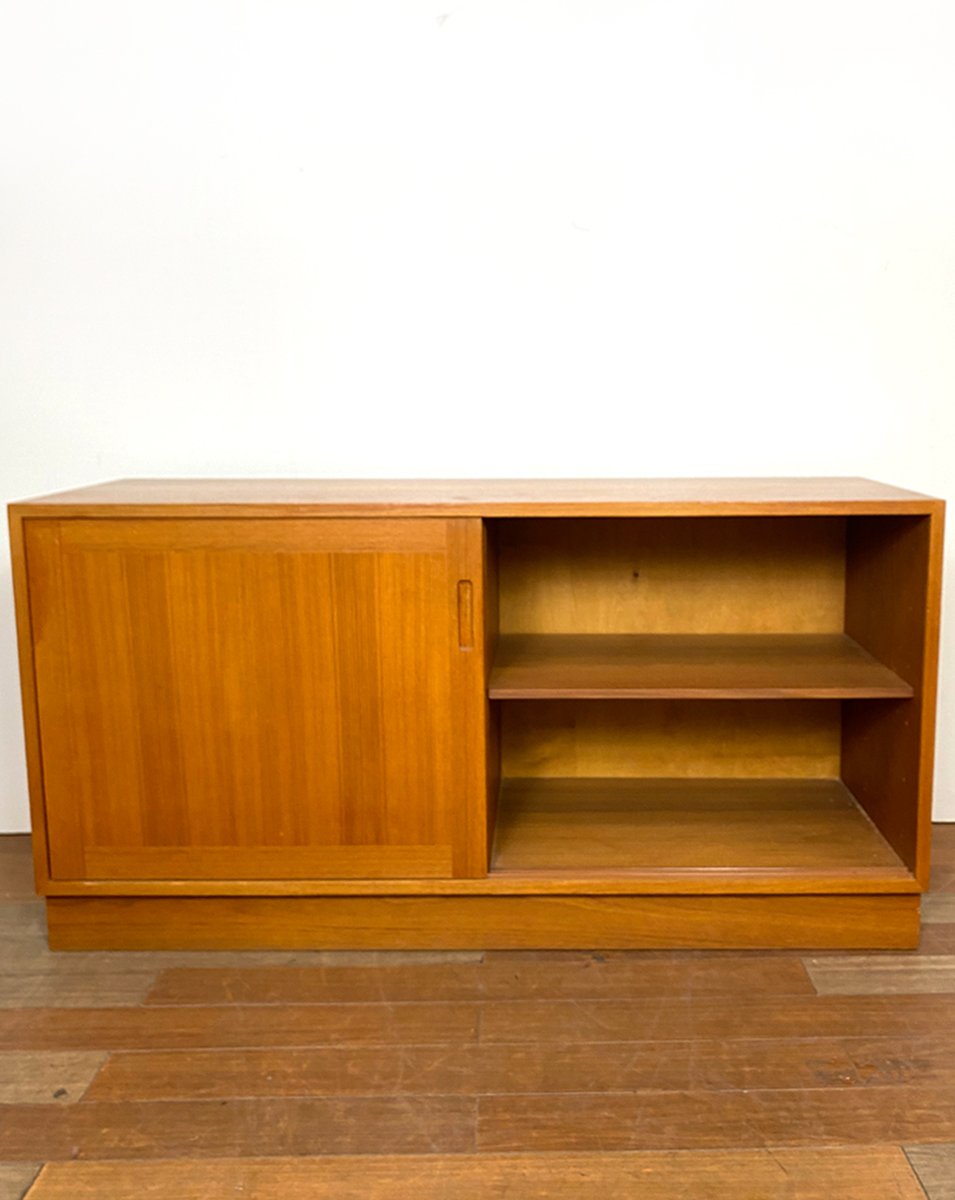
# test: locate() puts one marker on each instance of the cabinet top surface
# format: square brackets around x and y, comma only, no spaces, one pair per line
[485,497]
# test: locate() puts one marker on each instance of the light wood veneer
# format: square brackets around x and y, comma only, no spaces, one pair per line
[689,667]
[467,714]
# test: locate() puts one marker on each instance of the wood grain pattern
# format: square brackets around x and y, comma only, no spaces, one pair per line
[15,1178]
[482,922]
[719,826]
[65,988]
[678,576]
[28,701]
[862,975]
[937,939]
[525,1068]
[21,918]
[274,1025]
[699,1120]
[736,739]
[581,977]
[311,1059]
[851,1173]
[206,1129]
[674,1019]
[492,712]
[247,699]
[942,836]
[688,667]
[935,1168]
[484,496]
[46,1077]
[893,604]
[16,874]
[290,535]
[270,707]
[938,908]
[942,879]
[326,861]
[666,881]
[467,716]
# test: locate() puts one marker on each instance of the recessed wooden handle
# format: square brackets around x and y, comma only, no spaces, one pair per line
[465,614]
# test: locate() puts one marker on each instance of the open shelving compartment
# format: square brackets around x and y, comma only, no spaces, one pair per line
[710,704]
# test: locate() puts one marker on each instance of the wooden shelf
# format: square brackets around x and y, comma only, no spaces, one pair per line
[692,666]
[715,830]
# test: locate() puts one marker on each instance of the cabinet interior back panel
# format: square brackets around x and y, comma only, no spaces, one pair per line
[670,738]
[672,575]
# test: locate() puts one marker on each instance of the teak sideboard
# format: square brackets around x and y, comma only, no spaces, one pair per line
[606,713]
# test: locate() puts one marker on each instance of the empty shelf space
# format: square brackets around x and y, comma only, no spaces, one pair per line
[697,829]
[689,666]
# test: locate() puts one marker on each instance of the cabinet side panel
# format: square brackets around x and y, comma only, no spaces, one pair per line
[893,595]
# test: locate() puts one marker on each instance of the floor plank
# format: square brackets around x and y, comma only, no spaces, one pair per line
[935,1167]
[181,1028]
[942,880]
[943,842]
[65,988]
[868,1173]
[501,1021]
[711,1120]
[235,1128]
[30,949]
[45,1077]
[938,909]
[577,978]
[16,867]
[937,939]
[23,919]
[15,1179]
[896,974]
[528,1068]
[675,1019]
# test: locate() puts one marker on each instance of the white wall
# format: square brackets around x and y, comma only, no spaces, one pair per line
[496,237]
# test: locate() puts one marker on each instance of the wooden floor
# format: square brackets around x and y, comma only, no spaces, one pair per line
[461,1075]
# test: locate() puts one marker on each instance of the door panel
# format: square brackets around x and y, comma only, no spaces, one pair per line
[245,699]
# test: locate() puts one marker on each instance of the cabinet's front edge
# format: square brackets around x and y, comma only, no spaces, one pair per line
[485,509]
[486,923]
[930,663]
[28,697]
[466,558]
[699,883]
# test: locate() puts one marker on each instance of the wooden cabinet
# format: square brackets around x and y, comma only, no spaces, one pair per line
[657,713]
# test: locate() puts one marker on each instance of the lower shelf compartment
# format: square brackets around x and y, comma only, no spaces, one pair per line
[716,830]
